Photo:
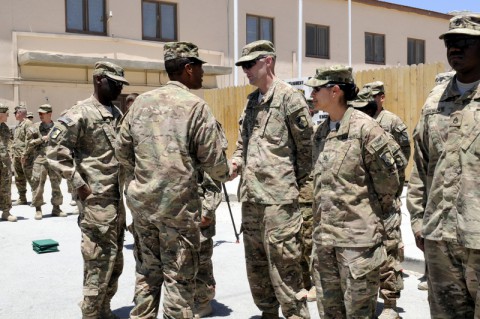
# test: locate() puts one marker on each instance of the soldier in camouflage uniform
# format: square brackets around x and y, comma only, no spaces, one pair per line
[37,139]
[5,167]
[273,156]
[391,282]
[22,164]
[443,197]
[210,192]
[30,116]
[355,183]
[82,151]
[166,137]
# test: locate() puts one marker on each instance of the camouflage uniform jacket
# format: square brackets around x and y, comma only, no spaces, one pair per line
[274,148]
[4,144]
[443,197]
[19,138]
[165,138]
[36,146]
[355,181]
[81,148]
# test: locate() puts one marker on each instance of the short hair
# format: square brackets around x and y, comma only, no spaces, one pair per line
[176,66]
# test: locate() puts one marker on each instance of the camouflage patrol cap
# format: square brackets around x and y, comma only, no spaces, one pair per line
[175,50]
[255,49]
[45,108]
[444,76]
[110,70]
[20,107]
[464,24]
[377,87]
[364,97]
[335,73]
[3,108]
[30,115]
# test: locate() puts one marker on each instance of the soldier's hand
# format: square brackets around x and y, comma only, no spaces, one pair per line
[420,241]
[233,171]
[205,222]
[23,160]
[83,192]
[45,138]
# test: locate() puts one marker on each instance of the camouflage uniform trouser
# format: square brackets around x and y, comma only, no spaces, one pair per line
[23,173]
[391,280]
[453,273]
[204,281]
[169,257]
[39,177]
[102,223]
[306,240]
[5,186]
[346,286]
[272,252]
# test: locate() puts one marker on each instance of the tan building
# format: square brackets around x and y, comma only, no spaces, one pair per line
[48,47]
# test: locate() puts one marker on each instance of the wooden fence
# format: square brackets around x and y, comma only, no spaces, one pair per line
[406,89]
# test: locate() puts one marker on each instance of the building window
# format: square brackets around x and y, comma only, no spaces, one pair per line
[416,51]
[259,28]
[86,16]
[374,48]
[159,21]
[317,41]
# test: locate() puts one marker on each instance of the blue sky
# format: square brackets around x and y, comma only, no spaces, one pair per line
[443,6]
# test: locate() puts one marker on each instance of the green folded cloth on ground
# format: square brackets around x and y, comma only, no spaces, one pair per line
[42,246]
[44,243]
[46,250]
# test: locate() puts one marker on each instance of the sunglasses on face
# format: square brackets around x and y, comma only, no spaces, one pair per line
[460,43]
[116,83]
[250,64]
[318,88]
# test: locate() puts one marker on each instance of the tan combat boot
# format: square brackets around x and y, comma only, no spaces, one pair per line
[389,310]
[8,217]
[21,201]
[38,213]
[58,212]
[204,309]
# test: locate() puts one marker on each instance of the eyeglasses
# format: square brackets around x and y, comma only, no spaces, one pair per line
[118,84]
[460,43]
[318,88]
[250,64]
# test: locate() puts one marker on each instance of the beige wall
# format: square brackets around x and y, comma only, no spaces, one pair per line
[39,26]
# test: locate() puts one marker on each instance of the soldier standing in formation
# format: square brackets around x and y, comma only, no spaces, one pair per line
[37,140]
[22,164]
[165,139]
[273,156]
[355,182]
[443,197]
[5,167]
[370,100]
[82,151]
